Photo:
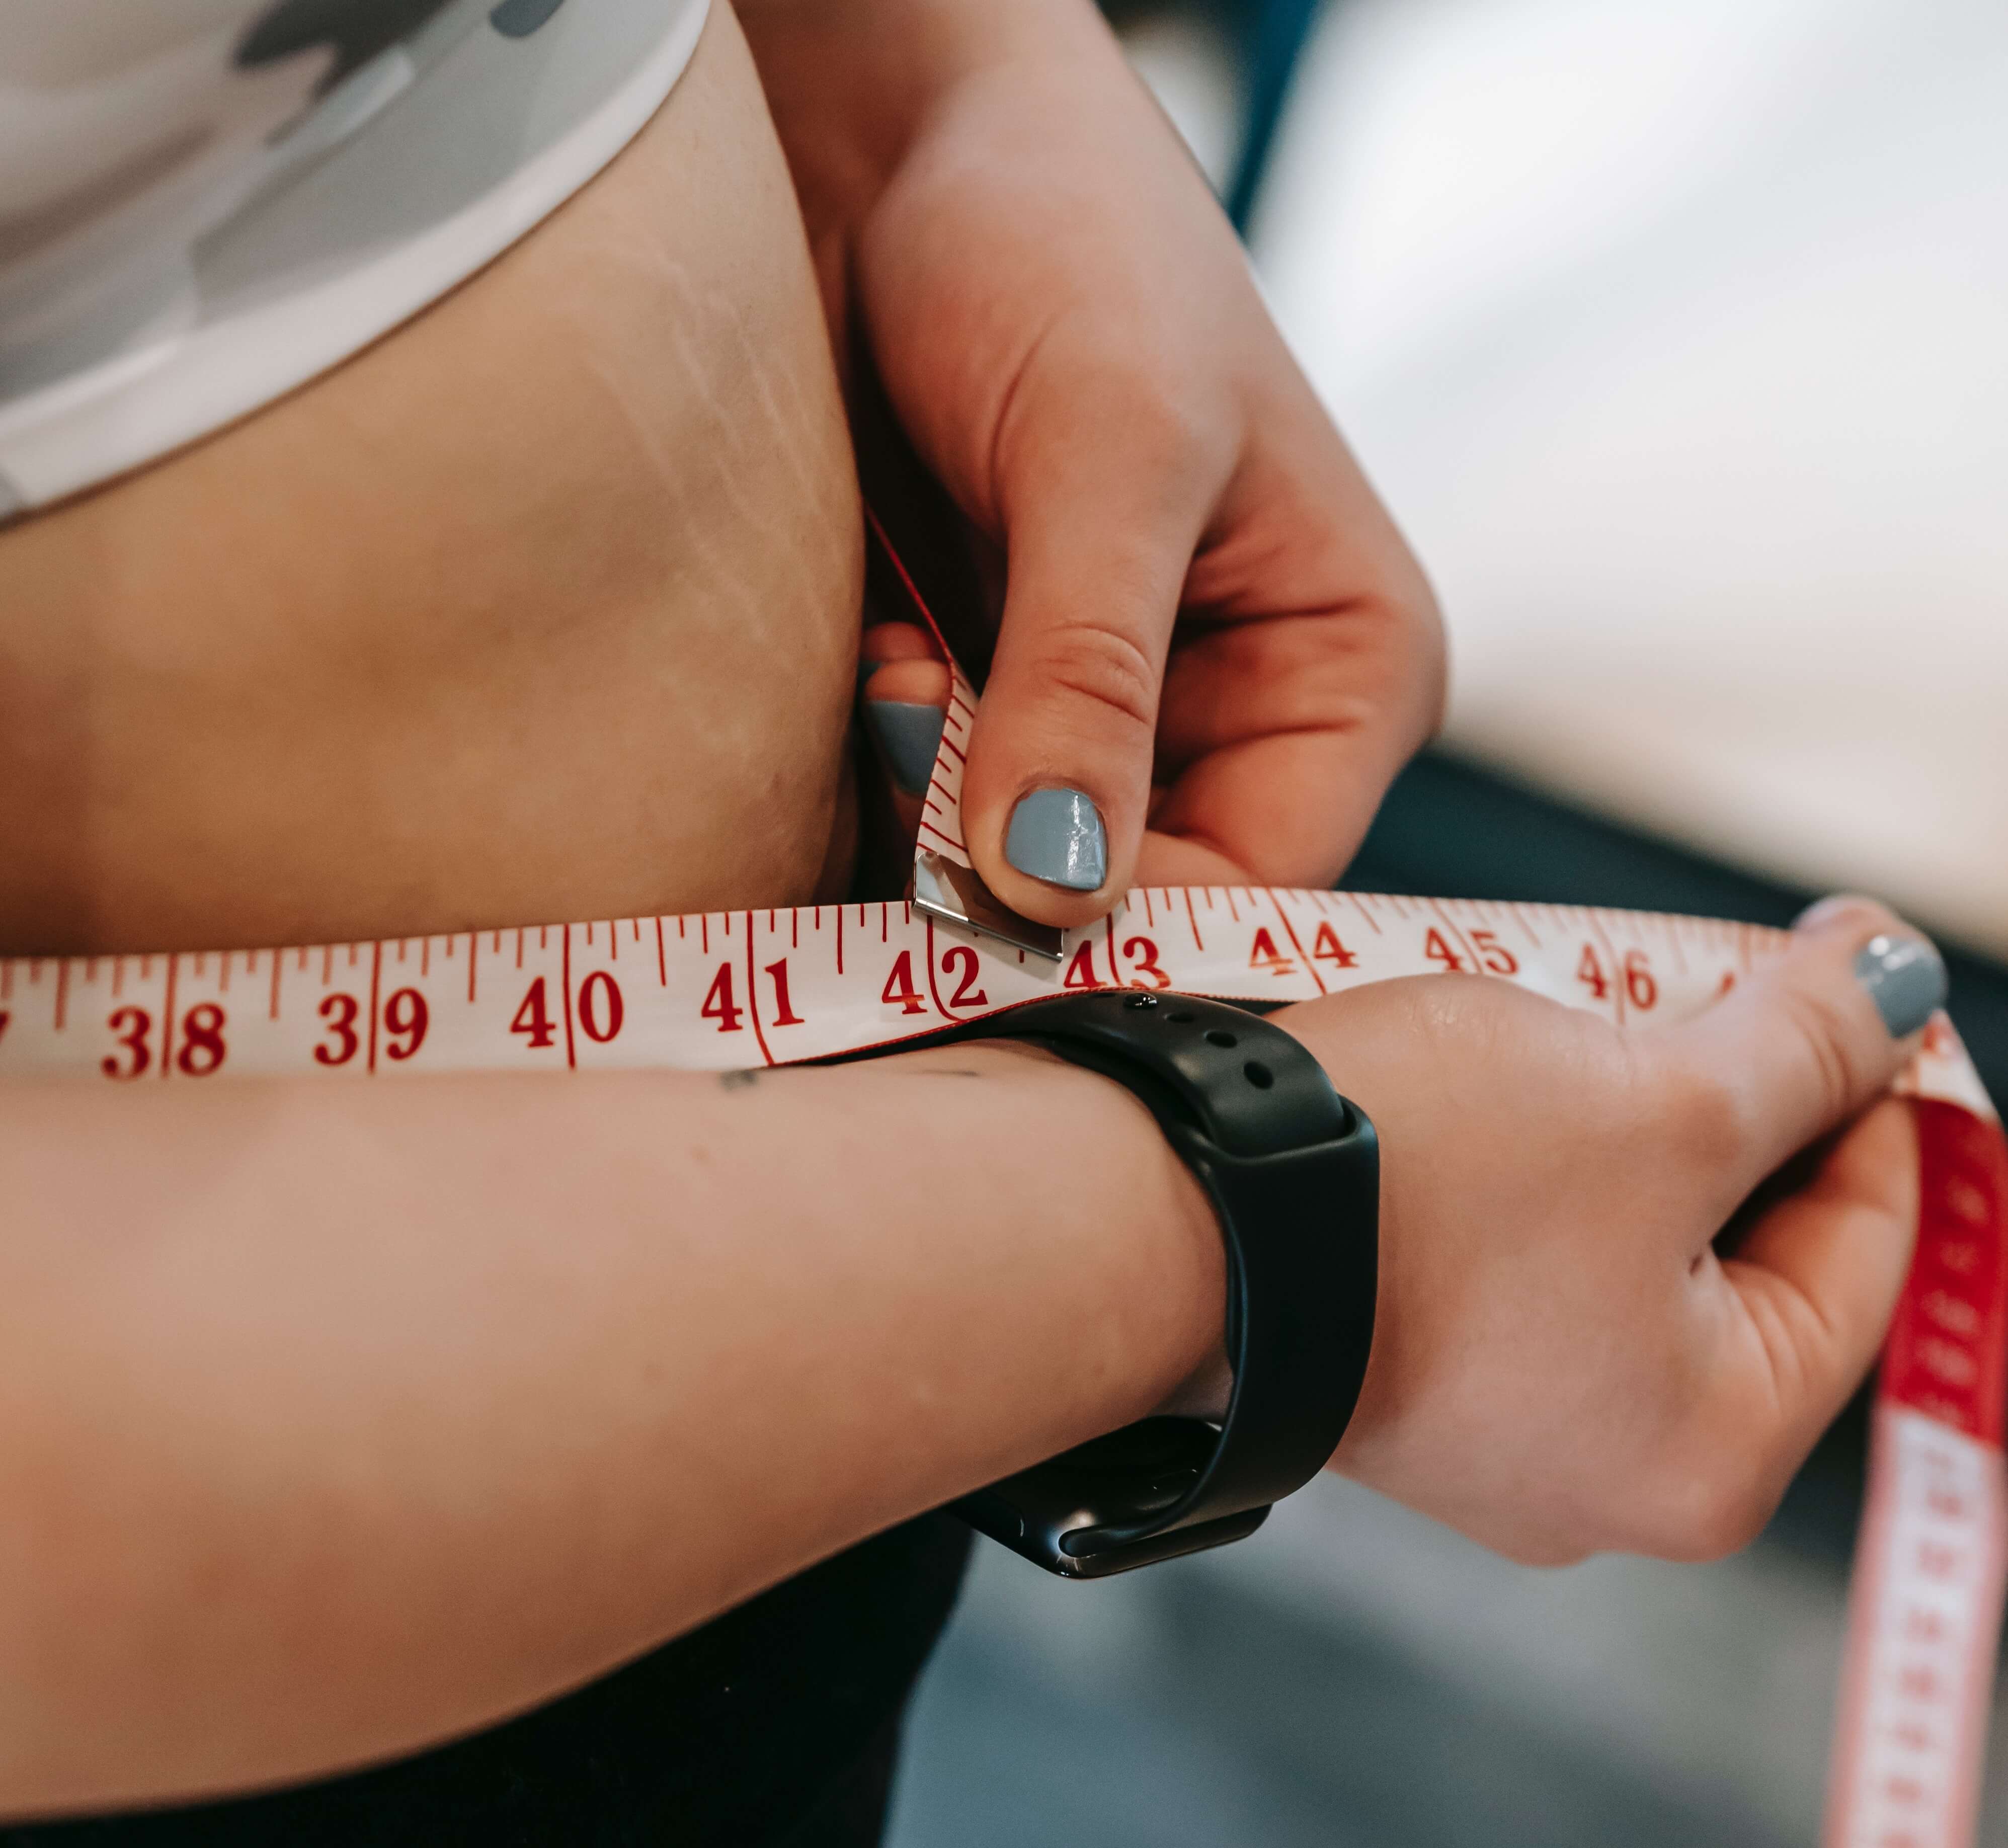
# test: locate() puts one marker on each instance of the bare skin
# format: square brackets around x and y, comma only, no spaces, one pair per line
[439,641]
[334,1421]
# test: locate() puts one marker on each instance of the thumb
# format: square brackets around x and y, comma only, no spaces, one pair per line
[1794,1311]
[1810,1041]
[1057,788]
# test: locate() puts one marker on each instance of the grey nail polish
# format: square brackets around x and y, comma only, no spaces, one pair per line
[911,737]
[1906,979]
[1057,836]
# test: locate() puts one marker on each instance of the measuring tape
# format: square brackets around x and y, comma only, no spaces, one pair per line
[731,989]
[726,990]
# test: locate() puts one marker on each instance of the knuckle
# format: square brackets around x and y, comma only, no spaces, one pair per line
[1145,390]
[1708,1508]
[1146,384]
[1103,668]
[1424,613]
[1706,1116]
[1544,1553]
[1173,423]
[1430,655]
[1413,607]
[1824,1035]
[1390,643]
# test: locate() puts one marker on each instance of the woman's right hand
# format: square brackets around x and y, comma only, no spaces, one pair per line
[1569,1358]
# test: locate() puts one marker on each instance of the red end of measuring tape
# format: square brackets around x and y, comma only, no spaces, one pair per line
[1925,1622]
[1947,1353]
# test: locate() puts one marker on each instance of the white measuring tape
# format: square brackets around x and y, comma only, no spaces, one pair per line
[725,990]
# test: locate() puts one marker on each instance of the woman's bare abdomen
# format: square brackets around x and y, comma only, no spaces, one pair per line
[545,606]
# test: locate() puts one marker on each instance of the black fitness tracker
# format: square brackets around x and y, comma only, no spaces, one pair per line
[1293,1170]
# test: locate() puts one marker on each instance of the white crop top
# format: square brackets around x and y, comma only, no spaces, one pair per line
[205,203]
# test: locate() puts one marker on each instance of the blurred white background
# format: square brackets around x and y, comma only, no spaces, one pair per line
[1678,338]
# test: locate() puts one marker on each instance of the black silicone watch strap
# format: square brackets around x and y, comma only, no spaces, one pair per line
[1293,1170]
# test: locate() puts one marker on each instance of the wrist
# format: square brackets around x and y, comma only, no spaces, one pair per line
[926,44]
[850,83]
[1293,1169]
[1167,1189]
[1154,1261]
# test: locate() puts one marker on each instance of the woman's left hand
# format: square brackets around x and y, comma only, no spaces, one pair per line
[1216,650]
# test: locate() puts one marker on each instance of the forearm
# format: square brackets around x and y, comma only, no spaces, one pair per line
[333,1422]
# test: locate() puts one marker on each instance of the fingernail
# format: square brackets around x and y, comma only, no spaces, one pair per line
[1905,977]
[911,737]
[1057,836]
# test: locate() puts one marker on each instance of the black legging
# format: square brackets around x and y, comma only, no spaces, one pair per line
[775,1726]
